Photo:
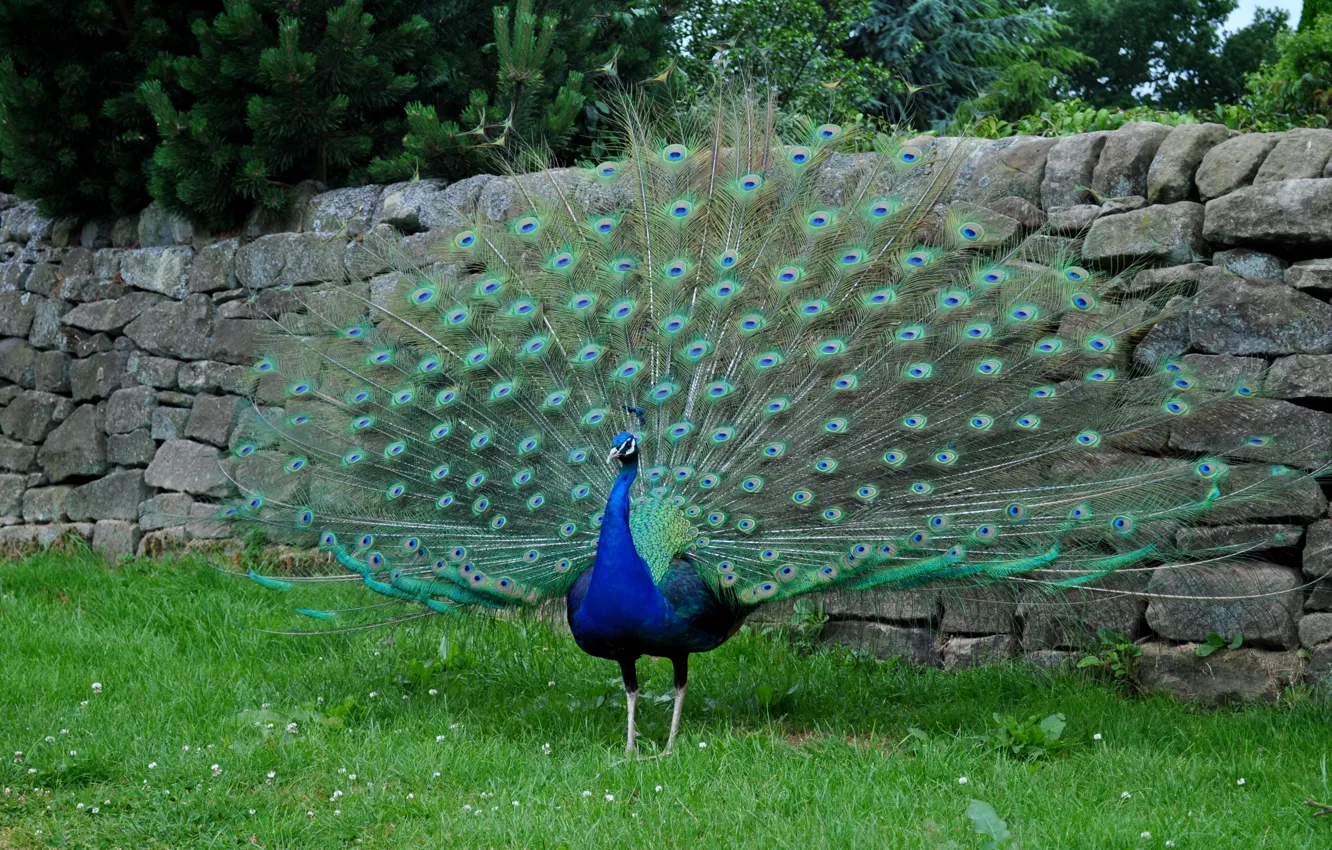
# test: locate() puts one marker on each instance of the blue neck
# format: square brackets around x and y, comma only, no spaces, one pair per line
[621,593]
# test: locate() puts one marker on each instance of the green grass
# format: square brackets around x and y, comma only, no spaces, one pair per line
[181,664]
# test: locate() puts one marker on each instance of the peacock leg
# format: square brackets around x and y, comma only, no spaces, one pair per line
[630,674]
[681,665]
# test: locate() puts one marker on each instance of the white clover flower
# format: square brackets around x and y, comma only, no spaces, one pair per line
[272,774]
[31,771]
[433,692]
[551,683]
[50,739]
[1169,843]
[411,796]
[152,765]
[185,749]
[291,728]
[73,752]
[962,780]
[515,803]
[95,810]
[439,738]
[342,770]
[1145,835]
[435,775]
[702,745]
[64,731]
[658,789]
[97,687]
[337,811]
[1096,737]
[83,704]
[310,813]
[545,749]
[251,811]
[352,777]
[467,807]
[217,769]
[1125,796]
[374,694]
[78,806]
[610,798]
[18,757]
[404,697]
[1239,781]
[585,793]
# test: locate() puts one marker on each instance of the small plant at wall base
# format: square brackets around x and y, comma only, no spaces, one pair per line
[1215,642]
[1033,738]
[1117,657]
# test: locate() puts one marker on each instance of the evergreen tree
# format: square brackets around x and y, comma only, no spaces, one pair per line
[543,94]
[72,132]
[278,92]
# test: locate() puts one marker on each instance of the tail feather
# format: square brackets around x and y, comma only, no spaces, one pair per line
[885,392]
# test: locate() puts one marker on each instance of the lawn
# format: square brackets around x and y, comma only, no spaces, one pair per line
[185,742]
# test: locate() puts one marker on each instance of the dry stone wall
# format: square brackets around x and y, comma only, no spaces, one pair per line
[124,348]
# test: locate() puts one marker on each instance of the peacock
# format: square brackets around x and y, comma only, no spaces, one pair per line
[730,365]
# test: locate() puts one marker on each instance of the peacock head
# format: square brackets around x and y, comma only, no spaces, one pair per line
[625,447]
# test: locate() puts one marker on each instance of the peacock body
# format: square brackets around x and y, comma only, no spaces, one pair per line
[800,396]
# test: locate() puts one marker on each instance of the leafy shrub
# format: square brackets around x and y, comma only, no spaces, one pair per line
[1117,657]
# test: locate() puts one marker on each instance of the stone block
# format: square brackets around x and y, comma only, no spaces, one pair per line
[159,226]
[1299,153]
[1259,601]
[1250,263]
[1318,550]
[214,267]
[97,376]
[116,538]
[906,606]
[130,409]
[133,449]
[979,610]
[1074,220]
[1008,167]
[43,279]
[32,415]
[235,341]
[117,496]
[150,371]
[161,270]
[204,523]
[1123,204]
[1238,539]
[1170,177]
[1024,212]
[1068,170]
[16,457]
[1315,629]
[914,645]
[1250,318]
[1310,274]
[1170,233]
[1231,675]
[16,312]
[1224,372]
[11,494]
[1233,164]
[188,467]
[77,448]
[169,423]
[1071,618]
[1300,376]
[164,510]
[45,504]
[352,208]
[1300,436]
[47,332]
[1125,159]
[280,259]
[213,418]
[209,376]
[113,315]
[51,372]
[174,329]
[1289,216]
[18,362]
[963,652]
[155,544]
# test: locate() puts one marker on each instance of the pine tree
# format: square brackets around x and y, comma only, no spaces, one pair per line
[72,132]
[549,63]
[279,92]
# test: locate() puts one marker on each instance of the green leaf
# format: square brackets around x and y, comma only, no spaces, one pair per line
[1089,661]
[1236,641]
[1205,649]
[986,821]
[1053,727]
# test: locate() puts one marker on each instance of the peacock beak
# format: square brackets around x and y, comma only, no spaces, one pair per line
[614,453]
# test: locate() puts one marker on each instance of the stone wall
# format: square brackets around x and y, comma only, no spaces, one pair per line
[124,348]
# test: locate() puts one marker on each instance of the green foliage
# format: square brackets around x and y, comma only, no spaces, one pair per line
[1069,117]
[1215,641]
[1296,89]
[544,92]
[798,50]
[807,622]
[72,133]
[1003,52]
[276,93]
[1117,657]
[1033,738]
[986,821]
[1174,50]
